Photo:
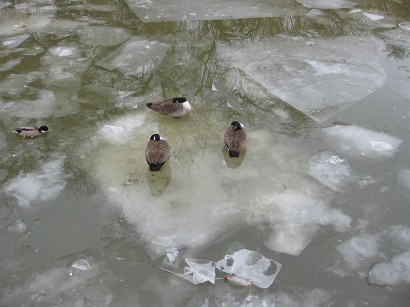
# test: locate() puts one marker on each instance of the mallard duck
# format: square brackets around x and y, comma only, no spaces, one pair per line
[157,152]
[174,107]
[31,131]
[235,138]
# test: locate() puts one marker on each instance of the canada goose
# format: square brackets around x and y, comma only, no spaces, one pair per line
[157,152]
[174,107]
[31,131]
[235,138]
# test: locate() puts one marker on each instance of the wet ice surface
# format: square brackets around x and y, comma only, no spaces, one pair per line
[327,201]
[136,56]
[162,10]
[317,76]
[33,190]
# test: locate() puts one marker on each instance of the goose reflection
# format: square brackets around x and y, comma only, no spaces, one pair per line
[158,181]
[233,163]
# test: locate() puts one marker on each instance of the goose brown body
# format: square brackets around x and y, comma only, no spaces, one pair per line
[157,152]
[174,107]
[235,139]
[31,131]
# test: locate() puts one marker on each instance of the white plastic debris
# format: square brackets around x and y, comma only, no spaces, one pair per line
[201,270]
[81,264]
[172,254]
[252,266]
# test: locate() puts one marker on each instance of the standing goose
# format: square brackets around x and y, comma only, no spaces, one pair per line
[157,152]
[174,107]
[31,131]
[235,138]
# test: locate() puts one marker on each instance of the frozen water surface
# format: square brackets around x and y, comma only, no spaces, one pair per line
[357,141]
[84,222]
[135,56]
[160,10]
[327,4]
[317,76]
[32,190]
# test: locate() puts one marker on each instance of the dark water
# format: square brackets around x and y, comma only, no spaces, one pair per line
[323,187]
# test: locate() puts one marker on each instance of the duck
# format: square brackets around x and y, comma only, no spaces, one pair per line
[235,138]
[31,131]
[174,107]
[157,152]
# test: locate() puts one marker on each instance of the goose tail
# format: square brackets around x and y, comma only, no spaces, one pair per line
[149,105]
[233,154]
[155,167]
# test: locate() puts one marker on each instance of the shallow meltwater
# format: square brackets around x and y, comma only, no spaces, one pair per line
[313,212]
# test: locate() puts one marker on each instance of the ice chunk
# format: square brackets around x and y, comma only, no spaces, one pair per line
[321,80]
[15,41]
[405,25]
[252,266]
[81,265]
[201,270]
[150,11]
[18,226]
[327,4]
[61,51]
[331,170]
[136,56]
[356,141]
[22,24]
[112,134]
[4,4]
[66,285]
[103,36]
[357,249]
[121,129]
[40,105]
[392,273]
[297,218]
[373,17]
[10,64]
[33,189]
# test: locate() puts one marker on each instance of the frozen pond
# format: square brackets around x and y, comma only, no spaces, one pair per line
[315,211]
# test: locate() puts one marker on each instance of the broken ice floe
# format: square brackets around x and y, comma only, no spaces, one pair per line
[14,41]
[32,190]
[136,56]
[163,10]
[103,36]
[331,170]
[67,285]
[373,17]
[327,4]
[245,264]
[81,264]
[382,257]
[357,141]
[251,266]
[321,80]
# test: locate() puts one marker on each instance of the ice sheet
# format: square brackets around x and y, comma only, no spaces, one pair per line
[103,36]
[391,273]
[331,170]
[136,56]
[33,190]
[66,285]
[318,76]
[190,217]
[357,141]
[22,24]
[162,10]
[327,4]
